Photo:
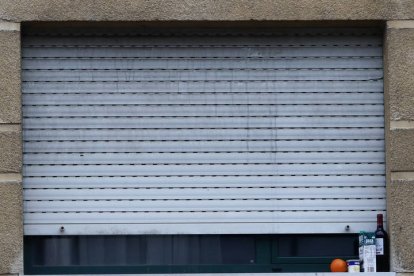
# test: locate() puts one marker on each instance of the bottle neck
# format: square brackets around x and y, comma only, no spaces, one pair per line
[380,222]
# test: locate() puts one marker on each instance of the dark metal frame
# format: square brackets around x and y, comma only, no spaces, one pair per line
[267,260]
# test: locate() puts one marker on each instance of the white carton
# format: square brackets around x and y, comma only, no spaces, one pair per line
[368,252]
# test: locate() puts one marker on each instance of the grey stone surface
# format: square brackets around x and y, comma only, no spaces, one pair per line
[10,149]
[10,96]
[199,10]
[11,227]
[401,224]
[401,150]
[399,72]
[399,92]
[399,86]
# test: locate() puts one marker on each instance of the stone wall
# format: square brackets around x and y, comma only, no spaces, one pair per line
[399,88]
[11,225]
[398,70]
[204,10]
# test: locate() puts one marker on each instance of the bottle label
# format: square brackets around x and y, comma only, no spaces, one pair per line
[379,243]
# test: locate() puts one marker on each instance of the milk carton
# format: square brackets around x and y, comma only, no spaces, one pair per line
[361,246]
[367,251]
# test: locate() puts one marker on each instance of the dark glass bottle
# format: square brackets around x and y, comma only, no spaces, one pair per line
[383,246]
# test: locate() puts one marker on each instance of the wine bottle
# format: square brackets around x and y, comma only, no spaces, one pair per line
[382,246]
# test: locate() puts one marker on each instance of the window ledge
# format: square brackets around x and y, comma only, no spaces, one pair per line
[247,274]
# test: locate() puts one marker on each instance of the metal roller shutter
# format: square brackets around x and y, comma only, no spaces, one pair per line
[203,131]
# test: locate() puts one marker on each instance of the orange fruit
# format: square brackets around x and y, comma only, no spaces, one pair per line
[338,265]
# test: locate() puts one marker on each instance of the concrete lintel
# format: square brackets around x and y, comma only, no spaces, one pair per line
[402,176]
[6,178]
[9,26]
[10,127]
[400,24]
[401,125]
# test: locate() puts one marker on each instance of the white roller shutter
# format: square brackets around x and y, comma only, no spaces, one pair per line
[203,131]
